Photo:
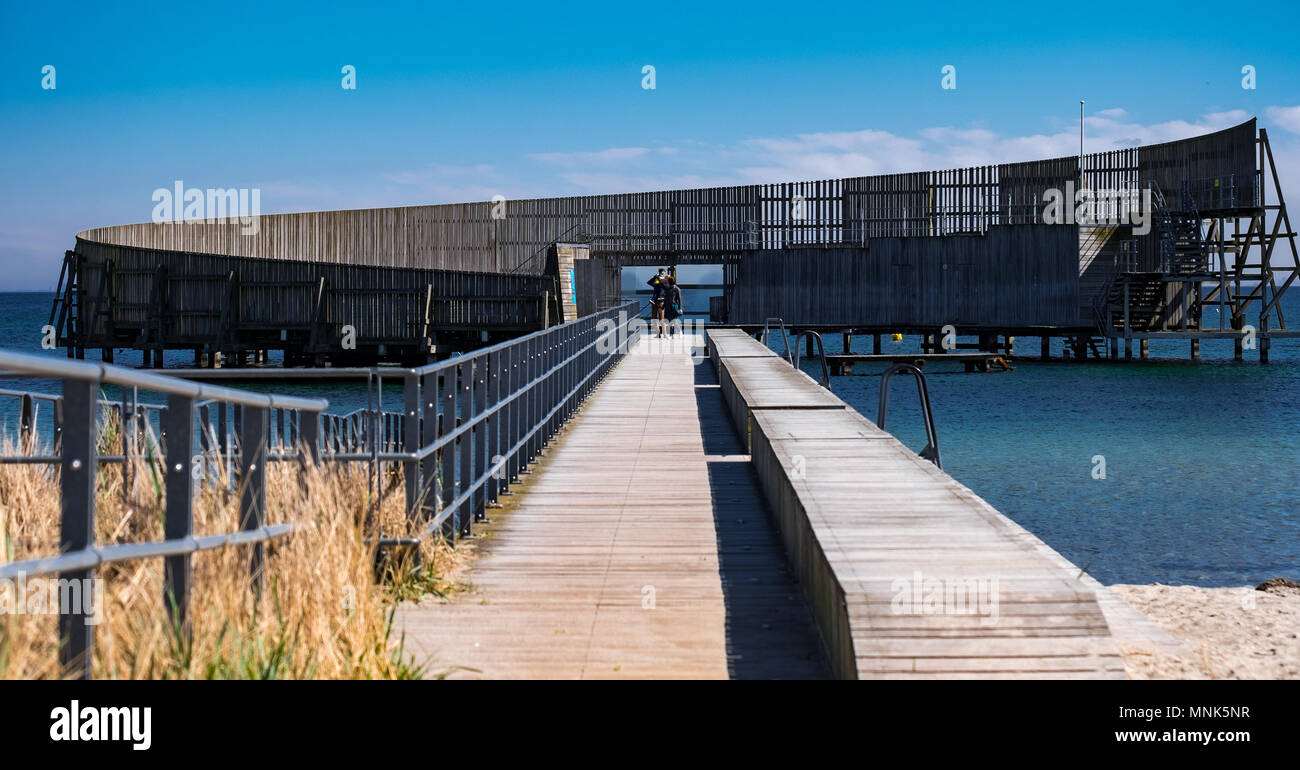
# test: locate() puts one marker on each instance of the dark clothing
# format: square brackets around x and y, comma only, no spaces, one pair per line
[672,302]
[659,285]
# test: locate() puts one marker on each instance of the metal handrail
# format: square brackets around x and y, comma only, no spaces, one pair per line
[821,355]
[29,365]
[78,454]
[931,450]
[789,355]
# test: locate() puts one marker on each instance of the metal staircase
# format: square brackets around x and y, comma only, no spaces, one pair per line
[63,311]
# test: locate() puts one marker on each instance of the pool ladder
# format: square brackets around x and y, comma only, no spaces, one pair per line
[931,450]
[792,352]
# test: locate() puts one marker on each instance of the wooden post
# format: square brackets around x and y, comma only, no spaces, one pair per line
[848,342]
[1144,348]
[1045,353]
[875,344]
[1196,349]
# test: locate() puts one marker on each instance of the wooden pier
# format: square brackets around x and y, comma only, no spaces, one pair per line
[731,518]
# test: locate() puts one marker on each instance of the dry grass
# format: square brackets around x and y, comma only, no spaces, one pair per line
[323,613]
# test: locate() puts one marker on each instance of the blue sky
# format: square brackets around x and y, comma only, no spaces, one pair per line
[461,102]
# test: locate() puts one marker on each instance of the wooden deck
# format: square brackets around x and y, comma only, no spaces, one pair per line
[646,496]
[648,543]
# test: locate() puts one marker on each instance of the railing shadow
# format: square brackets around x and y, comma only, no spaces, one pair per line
[769,630]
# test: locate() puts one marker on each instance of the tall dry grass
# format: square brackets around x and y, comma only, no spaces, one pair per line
[323,611]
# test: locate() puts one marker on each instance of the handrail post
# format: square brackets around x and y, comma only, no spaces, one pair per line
[465,444]
[430,430]
[27,423]
[450,388]
[80,466]
[479,436]
[309,434]
[252,477]
[492,429]
[411,443]
[178,516]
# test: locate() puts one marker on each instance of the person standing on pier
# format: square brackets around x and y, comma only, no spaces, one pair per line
[672,304]
[660,286]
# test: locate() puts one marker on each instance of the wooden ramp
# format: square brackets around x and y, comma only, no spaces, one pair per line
[640,548]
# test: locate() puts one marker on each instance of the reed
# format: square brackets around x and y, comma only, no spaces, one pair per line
[325,611]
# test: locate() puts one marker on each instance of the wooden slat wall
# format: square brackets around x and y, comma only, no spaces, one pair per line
[384,304]
[1011,276]
[701,225]
[1230,152]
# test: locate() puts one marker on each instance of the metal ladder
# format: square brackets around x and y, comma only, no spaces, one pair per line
[931,450]
[792,352]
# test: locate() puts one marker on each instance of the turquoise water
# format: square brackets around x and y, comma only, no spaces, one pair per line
[1201,460]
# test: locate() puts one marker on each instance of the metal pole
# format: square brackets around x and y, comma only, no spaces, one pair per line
[450,387]
[411,443]
[252,477]
[178,517]
[77,528]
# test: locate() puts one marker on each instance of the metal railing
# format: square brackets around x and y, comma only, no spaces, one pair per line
[75,449]
[931,450]
[469,427]
[787,353]
[471,424]
[821,354]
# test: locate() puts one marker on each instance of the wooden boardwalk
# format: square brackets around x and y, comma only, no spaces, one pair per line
[640,548]
[649,543]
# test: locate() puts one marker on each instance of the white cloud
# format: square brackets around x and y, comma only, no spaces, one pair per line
[1286,117]
[832,154]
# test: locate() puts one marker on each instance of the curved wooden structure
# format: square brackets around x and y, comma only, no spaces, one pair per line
[968,247]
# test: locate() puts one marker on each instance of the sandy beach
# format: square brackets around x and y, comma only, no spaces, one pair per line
[1228,633]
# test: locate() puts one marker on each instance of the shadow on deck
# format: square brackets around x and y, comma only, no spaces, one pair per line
[770,631]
